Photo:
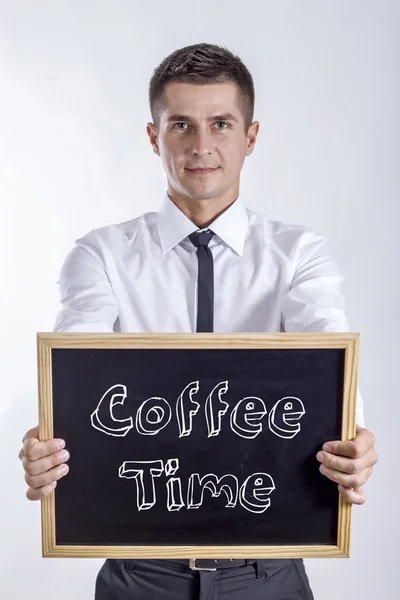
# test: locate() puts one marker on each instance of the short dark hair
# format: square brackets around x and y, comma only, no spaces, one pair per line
[201,64]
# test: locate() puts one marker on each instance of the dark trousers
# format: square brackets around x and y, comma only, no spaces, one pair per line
[270,579]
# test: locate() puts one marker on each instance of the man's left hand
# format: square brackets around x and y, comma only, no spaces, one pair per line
[350,464]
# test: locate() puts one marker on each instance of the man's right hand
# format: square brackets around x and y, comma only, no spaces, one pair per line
[44,463]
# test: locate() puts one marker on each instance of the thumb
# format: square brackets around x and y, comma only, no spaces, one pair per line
[32,433]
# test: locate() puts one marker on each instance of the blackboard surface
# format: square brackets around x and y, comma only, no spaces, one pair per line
[94,505]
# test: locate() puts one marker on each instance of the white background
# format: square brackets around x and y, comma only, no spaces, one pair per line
[74,155]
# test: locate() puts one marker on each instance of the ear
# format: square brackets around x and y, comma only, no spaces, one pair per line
[252,137]
[153,135]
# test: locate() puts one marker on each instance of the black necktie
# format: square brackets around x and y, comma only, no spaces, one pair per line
[205,280]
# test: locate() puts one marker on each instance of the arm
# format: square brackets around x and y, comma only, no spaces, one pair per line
[315,303]
[88,305]
[88,302]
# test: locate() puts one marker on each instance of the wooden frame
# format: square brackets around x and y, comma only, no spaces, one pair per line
[47,341]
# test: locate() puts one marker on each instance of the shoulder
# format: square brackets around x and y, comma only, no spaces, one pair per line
[289,238]
[111,237]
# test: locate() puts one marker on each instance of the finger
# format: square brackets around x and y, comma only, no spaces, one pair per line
[356,496]
[339,448]
[351,481]
[34,449]
[42,465]
[348,465]
[47,478]
[38,494]
[355,448]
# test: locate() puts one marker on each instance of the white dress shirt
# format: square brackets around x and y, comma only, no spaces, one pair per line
[141,276]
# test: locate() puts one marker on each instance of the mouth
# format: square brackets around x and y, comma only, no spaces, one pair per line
[202,171]
[292,417]
[263,494]
[254,418]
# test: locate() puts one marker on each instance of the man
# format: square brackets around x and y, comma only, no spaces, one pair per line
[203,263]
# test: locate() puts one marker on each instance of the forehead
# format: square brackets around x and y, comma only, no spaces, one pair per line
[201,101]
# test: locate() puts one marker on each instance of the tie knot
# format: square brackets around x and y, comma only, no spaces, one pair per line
[201,238]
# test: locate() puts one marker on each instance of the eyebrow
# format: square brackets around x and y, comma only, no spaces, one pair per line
[223,117]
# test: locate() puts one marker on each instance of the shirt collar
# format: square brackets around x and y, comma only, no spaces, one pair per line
[231,226]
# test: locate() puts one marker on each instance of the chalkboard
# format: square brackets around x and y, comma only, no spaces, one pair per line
[196,445]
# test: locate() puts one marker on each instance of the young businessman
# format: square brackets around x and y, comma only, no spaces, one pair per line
[204,262]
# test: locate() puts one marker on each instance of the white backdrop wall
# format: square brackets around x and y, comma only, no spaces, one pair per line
[74,155]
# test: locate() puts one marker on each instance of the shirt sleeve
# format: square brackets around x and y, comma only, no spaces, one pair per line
[314,301]
[87,299]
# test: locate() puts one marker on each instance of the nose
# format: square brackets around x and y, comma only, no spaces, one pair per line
[202,144]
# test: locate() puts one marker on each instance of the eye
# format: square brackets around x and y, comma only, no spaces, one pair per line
[224,122]
[179,124]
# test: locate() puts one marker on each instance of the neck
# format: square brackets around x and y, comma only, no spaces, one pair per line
[202,212]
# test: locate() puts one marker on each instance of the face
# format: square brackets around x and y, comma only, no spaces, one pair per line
[283,418]
[202,128]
